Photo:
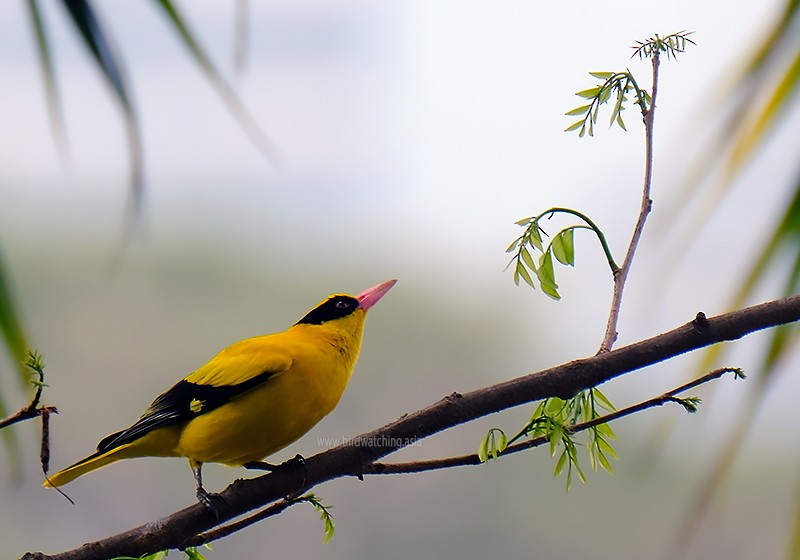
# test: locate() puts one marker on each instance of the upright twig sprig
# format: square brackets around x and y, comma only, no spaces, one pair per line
[621,274]
[652,48]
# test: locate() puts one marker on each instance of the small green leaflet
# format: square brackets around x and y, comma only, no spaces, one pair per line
[563,246]
[547,276]
[493,444]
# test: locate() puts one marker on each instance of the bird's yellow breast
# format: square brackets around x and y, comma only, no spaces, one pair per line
[314,366]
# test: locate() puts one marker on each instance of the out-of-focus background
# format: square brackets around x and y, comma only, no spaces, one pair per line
[414,135]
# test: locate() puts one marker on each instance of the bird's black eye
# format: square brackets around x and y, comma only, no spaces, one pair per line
[335,307]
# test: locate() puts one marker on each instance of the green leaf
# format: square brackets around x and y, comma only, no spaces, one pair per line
[527,258]
[546,275]
[48,71]
[493,444]
[605,463]
[553,406]
[95,39]
[582,110]
[483,449]
[589,93]
[523,272]
[502,441]
[513,245]
[605,431]
[562,461]
[601,398]
[564,247]
[555,439]
[229,96]
[617,107]
[620,122]
[605,95]
[324,514]
[601,75]
[580,472]
[193,554]
[535,236]
[605,447]
[575,126]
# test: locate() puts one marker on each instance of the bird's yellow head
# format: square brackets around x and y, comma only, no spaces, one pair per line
[344,312]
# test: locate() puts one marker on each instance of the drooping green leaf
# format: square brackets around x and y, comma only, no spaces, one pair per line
[603,400]
[95,38]
[605,463]
[228,94]
[494,443]
[606,447]
[564,247]
[752,136]
[562,461]
[48,73]
[578,469]
[502,441]
[483,449]
[523,272]
[527,258]
[617,107]
[555,438]
[546,275]
[601,75]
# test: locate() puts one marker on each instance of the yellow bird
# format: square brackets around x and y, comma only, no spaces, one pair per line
[252,399]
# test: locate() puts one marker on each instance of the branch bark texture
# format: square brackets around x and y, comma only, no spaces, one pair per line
[355,457]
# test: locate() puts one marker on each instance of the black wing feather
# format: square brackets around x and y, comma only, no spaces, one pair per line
[184,401]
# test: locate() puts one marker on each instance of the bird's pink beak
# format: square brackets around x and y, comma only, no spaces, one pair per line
[370,297]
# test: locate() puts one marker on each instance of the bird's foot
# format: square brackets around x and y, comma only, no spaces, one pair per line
[209,500]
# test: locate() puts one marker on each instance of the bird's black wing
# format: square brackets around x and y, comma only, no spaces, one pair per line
[184,401]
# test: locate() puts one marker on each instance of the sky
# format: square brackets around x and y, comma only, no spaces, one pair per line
[412,136]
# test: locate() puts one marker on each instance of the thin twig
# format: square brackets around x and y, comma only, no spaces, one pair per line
[473,459]
[225,530]
[621,275]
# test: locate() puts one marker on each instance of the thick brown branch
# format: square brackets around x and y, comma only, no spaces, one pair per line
[353,458]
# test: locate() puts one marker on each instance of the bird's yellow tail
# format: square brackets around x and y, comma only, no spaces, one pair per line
[90,463]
